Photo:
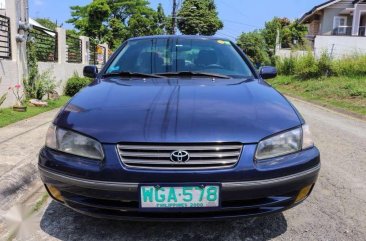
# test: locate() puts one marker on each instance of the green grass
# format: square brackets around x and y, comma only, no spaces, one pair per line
[39,203]
[348,93]
[8,116]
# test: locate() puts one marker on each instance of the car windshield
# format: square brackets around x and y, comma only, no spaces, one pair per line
[174,55]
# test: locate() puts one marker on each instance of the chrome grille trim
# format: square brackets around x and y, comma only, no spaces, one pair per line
[202,156]
[182,147]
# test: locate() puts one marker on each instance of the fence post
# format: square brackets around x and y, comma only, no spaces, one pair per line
[61,45]
[85,49]
[106,51]
[16,11]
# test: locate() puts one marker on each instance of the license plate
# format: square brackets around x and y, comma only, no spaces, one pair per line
[179,197]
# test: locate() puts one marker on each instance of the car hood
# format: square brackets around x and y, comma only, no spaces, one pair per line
[178,110]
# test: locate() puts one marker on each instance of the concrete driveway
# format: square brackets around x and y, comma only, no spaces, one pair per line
[19,147]
[335,211]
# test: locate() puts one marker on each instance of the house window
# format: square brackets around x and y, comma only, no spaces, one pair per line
[2,4]
[340,24]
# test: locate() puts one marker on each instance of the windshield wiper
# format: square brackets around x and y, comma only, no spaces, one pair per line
[192,73]
[131,74]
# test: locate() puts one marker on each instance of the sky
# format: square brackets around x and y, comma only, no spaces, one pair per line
[238,15]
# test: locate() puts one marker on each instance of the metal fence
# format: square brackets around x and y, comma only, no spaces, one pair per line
[362,31]
[5,37]
[74,49]
[93,55]
[342,31]
[46,44]
[97,54]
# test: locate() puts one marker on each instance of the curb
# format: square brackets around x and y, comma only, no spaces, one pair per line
[343,112]
[17,181]
[31,202]
[14,183]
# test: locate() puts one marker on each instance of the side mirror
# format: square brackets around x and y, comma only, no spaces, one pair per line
[268,72]
[90,71]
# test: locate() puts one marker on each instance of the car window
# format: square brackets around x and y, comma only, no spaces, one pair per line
[154,56]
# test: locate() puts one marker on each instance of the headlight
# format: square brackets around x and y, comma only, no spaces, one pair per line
[285,143]
[73,143]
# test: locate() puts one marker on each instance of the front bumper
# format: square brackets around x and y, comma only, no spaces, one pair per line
[119,200]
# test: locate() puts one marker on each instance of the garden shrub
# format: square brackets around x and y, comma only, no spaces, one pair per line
[41,85]
[307,67]
[75,84]
[325,65]
[351,66]
[286,66]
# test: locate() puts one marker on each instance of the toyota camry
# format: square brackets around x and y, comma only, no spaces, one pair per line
[179,128]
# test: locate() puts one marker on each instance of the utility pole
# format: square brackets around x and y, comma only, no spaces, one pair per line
[174,16]
[278,42]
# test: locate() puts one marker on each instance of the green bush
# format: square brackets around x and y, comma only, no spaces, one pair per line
[307,67]
[41,85]
[75,84]
[286,66]
[351,66]
[325,65]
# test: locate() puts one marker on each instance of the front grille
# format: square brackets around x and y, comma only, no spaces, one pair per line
[201,156]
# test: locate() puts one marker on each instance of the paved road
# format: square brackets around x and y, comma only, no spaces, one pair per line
[19,147]
[335,211]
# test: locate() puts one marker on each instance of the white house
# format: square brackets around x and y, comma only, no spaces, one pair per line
[337,26]
[337,17]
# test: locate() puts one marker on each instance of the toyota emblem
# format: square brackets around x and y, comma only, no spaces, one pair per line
[179,156]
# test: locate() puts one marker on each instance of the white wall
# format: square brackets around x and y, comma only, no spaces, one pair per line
[340,46]
[9,75]
[61,72]
[12,70]
[286,53]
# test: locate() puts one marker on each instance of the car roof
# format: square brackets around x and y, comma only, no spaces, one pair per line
[179,37]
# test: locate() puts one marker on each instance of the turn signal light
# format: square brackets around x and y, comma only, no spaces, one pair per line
[55,193]
[303,193]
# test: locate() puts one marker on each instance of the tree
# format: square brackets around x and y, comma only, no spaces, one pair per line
[47,23]
[113,21]
[260,45]
[79,18]
[293,32]
[169,25]
[98,13]
[140,25]
[92,19]
[289,31]
[199,17]
[124,9]
[117,34]
[161,18]
[254,45]
[73,33]
[271,28]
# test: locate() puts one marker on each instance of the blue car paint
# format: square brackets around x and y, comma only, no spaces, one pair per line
[184,110]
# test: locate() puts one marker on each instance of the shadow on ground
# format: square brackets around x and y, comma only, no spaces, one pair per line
[65,224]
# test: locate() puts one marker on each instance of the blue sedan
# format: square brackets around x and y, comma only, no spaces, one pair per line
[179,128]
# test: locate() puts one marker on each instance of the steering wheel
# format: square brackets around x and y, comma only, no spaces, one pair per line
[214,66]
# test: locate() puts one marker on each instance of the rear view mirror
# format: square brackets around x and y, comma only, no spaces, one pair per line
[268,72]
[90,71]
